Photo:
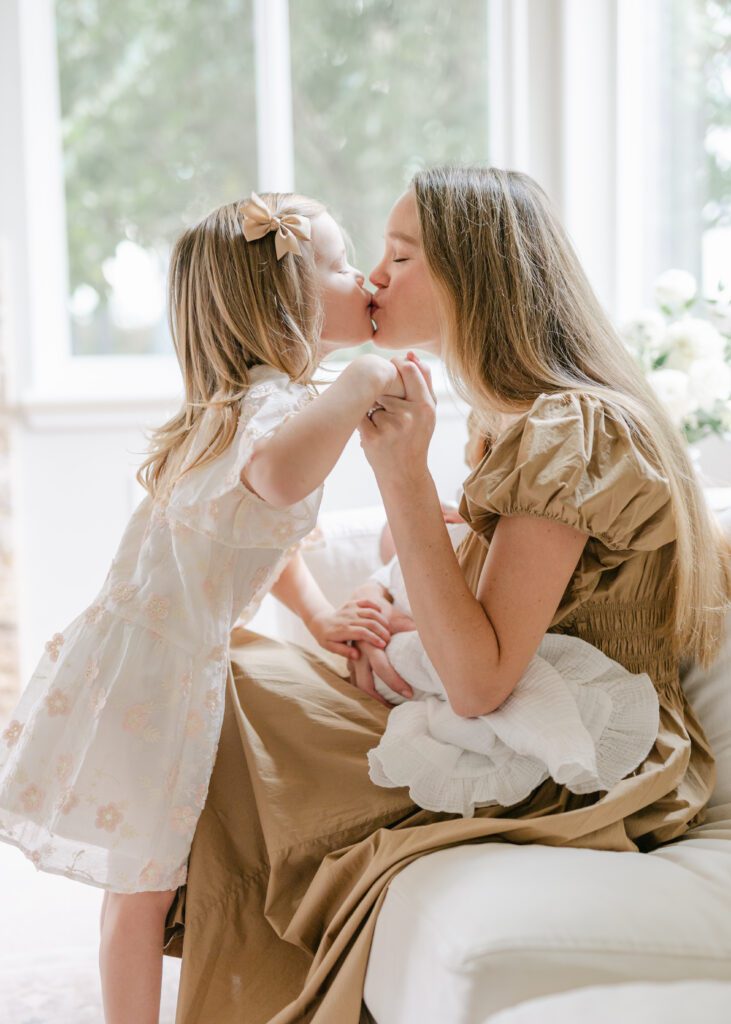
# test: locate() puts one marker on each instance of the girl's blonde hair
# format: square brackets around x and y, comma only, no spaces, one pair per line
[231,306]
[521,319]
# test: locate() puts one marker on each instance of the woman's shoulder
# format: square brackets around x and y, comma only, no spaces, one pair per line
[571,425]
[574,456]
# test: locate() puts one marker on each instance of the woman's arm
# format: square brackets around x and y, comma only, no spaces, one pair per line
[479,645]
[288,466]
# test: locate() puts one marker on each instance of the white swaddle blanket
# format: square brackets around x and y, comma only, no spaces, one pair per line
[575,715]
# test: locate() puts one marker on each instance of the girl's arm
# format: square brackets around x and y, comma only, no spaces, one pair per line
[292,463]
[361,619]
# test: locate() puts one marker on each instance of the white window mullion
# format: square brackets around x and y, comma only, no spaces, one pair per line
[275,136]
[36,228]
[589,139]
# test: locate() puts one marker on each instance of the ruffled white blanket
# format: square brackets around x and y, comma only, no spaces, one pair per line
[575,715]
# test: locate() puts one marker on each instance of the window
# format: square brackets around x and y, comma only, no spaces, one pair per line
[691,223]
[159,108]
[158,126]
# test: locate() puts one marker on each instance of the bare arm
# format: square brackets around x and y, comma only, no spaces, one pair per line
[358,620]
[480,645]
[288,466]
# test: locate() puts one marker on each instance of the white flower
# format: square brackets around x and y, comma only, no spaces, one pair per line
[645,333]
[709,381]
[674,289]
[690,339]
[672,388]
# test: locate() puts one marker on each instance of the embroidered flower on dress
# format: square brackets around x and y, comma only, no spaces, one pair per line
[67,801]
[282,530]
[199,796]
[159,513]
[97,699]
[35,857]
[208,587]
[218,653]
[186,682]
[183,819]
[157,608]
[108,817]
[136,718]
[54,645]
[171,779]
[260,577]
[180,876]
[94,614]
[32,797]
[151,874]
[12,734]
[194,724]
[64,763]
[92,670]
[57,703]
[122,592]
[212,699]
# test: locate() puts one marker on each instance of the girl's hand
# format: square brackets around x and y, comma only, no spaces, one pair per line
[381,374]
[374,660]
[357,619]
[395,438]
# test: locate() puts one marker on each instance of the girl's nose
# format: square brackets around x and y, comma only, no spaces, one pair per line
[359,276]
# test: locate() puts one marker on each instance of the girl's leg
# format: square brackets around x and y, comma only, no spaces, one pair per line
[130,955]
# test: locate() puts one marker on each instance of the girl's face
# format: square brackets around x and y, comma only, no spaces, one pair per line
[405,304]
[346,303]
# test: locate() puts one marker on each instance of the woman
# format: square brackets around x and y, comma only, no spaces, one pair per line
[586,519]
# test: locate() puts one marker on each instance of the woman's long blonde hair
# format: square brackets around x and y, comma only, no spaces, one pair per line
[521,319]
[232,305]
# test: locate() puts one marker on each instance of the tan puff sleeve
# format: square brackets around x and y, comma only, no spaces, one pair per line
[571,459]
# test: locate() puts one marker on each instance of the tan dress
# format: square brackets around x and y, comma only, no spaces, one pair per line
[295,847]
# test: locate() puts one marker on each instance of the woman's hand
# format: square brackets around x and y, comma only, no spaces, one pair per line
[375,661]
[396,436]
[358,619]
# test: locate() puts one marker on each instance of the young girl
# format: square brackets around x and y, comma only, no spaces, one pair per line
[105,766]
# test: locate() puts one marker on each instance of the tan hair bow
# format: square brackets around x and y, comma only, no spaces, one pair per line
[259,221]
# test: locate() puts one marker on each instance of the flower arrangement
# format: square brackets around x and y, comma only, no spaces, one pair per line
[686,355]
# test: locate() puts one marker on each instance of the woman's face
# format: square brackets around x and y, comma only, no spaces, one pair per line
[346,303]
[405,304]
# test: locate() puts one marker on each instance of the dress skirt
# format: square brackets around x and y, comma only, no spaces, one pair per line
[295,847]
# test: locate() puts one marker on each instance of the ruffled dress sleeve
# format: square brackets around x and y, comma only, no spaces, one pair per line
[572,458]
[212,499]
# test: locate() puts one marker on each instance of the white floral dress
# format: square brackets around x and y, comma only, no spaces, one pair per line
[105,764]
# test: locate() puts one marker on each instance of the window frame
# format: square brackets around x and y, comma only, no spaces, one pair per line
[550,67]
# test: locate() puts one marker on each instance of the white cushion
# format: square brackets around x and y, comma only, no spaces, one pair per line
[466,932]
[473,929]
[708,1002]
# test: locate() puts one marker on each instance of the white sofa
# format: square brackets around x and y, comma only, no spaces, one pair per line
[535,934]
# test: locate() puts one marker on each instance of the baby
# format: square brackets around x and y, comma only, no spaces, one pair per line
[575,715]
